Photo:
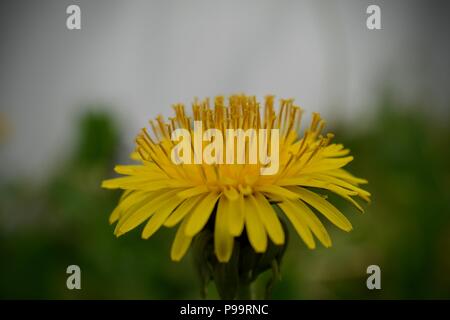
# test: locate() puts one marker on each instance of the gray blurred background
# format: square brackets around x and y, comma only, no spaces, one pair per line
[139,57]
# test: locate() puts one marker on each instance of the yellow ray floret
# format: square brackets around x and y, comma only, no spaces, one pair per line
[236,198]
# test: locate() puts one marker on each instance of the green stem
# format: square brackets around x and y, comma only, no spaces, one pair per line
[245,291]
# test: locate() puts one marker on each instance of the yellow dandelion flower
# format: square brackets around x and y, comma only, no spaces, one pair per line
[236,197]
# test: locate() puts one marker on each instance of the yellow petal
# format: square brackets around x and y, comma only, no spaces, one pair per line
[344,193]
[236,216]
[303,180]
[136,183]
[339,182]
[159,217]
[324,207]
[255,229]
[135,218]
[191,192]
[182,210]
[278,191]
[130,202]
[201,214]
[115,215]
[326,164]
[122,182]
[334,150]
[223,240]
[135,156]
[231,193]
[343,174]
[181,243]
[320,181]
[139,169]
[269,219]
[298,222]
[313,222]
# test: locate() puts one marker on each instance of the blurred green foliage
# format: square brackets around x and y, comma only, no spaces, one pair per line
[406,230]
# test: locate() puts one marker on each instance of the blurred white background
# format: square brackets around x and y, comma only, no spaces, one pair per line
[139,57]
